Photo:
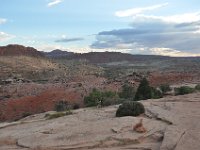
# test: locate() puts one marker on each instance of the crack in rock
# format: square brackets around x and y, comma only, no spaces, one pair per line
[172,137]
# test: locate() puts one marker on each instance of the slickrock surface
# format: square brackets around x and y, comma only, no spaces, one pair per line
[172,123]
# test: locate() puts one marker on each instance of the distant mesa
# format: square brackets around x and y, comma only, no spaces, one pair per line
[19,50]
[57,53]
[108,57]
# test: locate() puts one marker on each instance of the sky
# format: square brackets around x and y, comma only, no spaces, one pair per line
[156,27]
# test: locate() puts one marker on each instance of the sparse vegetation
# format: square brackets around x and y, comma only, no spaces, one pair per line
[62,106]
[165,88]
[197,87]
[128,92]
[145,91]
[155,93]
[76,106]
[184,90]
[97,97]
[58,114]
[130,108]
[26,114]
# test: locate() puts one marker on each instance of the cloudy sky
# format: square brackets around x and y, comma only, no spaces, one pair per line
[161,27]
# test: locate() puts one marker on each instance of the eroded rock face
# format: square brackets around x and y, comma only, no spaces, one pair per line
[98,129]
[19,50]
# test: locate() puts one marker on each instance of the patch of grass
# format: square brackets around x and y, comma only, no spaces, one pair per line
[58,114]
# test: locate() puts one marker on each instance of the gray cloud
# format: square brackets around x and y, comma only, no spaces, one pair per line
[152,33]
[66,40]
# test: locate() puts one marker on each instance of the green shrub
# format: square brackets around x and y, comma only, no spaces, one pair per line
[145,91]
[165,88]
[128,92]
[108,94]
[110,101]
[155,94]
[130,108]
[62,106]
[94,98]
[99,98]
[184,90]
[197,87]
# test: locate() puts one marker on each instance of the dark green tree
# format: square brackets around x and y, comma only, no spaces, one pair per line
[144,91]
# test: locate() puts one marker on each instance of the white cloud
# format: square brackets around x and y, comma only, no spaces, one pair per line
[4,36]
[76,49]
[139,14]
[172,52]
[181,18]
[49,47]
[2,20]
[89,49]
[53,2]
[135,11]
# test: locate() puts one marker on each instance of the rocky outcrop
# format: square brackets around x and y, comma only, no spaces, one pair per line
[19,50]
[98,129]
[57,53]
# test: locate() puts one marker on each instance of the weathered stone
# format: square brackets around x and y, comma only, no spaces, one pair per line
[99,129]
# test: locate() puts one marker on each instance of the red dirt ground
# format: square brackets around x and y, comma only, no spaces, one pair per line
[13,109]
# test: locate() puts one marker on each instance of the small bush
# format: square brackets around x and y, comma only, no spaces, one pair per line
[128,92]
[76,106]
[165,88]
[26,114]
[62,106]
[109,101]
[155,94]
[184,90]
[130,108]
[96,98]
[197,87]
[68,112]
[93,98]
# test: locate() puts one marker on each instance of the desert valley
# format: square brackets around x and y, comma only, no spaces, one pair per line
[62,100]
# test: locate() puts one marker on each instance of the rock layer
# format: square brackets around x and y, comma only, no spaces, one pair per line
[98,129]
